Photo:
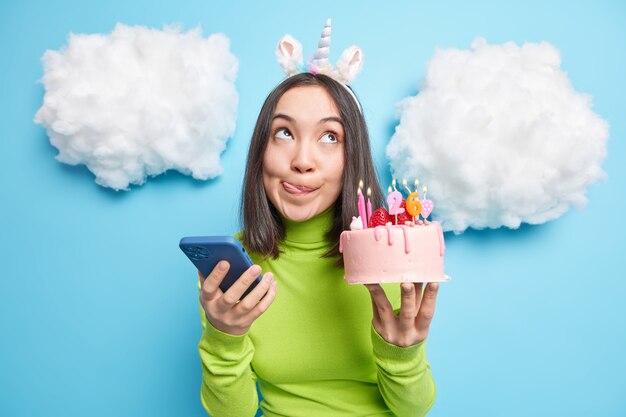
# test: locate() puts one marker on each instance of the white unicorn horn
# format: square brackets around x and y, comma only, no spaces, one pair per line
[320,61]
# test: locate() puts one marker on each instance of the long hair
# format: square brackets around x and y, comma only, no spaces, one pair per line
[263,229]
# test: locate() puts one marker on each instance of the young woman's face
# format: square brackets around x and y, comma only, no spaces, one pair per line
[303,161]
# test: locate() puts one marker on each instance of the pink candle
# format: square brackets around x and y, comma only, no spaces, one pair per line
[369,205]
[394,200]
[362,212]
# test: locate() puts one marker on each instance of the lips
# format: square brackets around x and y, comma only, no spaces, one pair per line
[297,189]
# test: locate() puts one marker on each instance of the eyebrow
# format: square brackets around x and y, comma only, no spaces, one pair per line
[321,121]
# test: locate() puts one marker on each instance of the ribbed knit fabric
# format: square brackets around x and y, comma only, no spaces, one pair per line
[314,352]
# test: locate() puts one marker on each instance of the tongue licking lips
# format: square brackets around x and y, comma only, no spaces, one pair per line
[297,189]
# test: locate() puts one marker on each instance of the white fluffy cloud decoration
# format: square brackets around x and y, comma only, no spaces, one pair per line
[140,101]
[499,136]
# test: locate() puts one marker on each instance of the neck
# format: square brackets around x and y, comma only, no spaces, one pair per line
[310,231]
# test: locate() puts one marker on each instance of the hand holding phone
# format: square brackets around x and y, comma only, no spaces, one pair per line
[229,311]
[206,251]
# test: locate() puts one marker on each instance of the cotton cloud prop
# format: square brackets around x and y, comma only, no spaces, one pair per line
[139,102]
[499,136]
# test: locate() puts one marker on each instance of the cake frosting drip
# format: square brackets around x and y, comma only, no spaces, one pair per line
[389,235]
[377,234]
[407,247]
[389,227]
[411,253]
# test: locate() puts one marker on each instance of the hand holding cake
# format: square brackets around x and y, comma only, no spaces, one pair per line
[417,309]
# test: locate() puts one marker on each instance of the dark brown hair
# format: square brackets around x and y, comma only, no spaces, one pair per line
[263,229]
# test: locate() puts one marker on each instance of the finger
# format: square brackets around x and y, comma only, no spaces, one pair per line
[408,310]
[234,293]
[427,308]
[383,306]
[419,287]
[265,302]
[376,316]
[253,298]
[211,285]
[201,277]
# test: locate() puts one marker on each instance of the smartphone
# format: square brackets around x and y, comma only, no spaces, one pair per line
[206,251]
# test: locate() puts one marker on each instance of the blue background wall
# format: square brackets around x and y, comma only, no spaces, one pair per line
[98,308]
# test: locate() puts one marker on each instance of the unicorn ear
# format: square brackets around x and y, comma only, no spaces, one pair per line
[349,64]
[289,55]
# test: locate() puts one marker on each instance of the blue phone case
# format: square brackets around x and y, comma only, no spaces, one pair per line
[206,251]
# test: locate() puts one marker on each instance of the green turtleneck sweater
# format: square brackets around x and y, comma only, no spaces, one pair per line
[314,352]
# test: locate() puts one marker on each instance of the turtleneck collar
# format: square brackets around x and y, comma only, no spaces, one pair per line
[309,234]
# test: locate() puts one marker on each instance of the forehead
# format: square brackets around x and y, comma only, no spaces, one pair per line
[305,102]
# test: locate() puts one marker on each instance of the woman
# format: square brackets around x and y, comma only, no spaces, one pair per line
[324,348]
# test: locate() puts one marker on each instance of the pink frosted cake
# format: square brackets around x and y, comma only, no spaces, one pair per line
[390,253]
[394,245]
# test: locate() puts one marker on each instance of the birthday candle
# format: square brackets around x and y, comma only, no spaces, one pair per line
[361,205]
[404,184]
[427,205]
[413,205]
[394,200]
[369,204]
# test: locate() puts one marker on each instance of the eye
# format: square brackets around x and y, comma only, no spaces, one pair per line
[283,134]
[329,137]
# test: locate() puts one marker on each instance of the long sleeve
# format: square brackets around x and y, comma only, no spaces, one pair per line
[313,351]
[404,377]
[228,382]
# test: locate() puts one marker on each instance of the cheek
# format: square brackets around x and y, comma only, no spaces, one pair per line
[266,181]
[274,161]
[337,167]
[338,175]
[271,175]
[335,175]
[268,165]
[268,177]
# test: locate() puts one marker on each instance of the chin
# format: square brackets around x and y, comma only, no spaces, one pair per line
[299,214]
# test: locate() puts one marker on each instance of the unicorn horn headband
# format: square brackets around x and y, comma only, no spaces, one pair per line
[320,63]
[289,54]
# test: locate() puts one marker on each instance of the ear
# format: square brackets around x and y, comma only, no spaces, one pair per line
[349,64]
[289,55]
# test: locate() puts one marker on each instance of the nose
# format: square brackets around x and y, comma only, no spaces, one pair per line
[303,160]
